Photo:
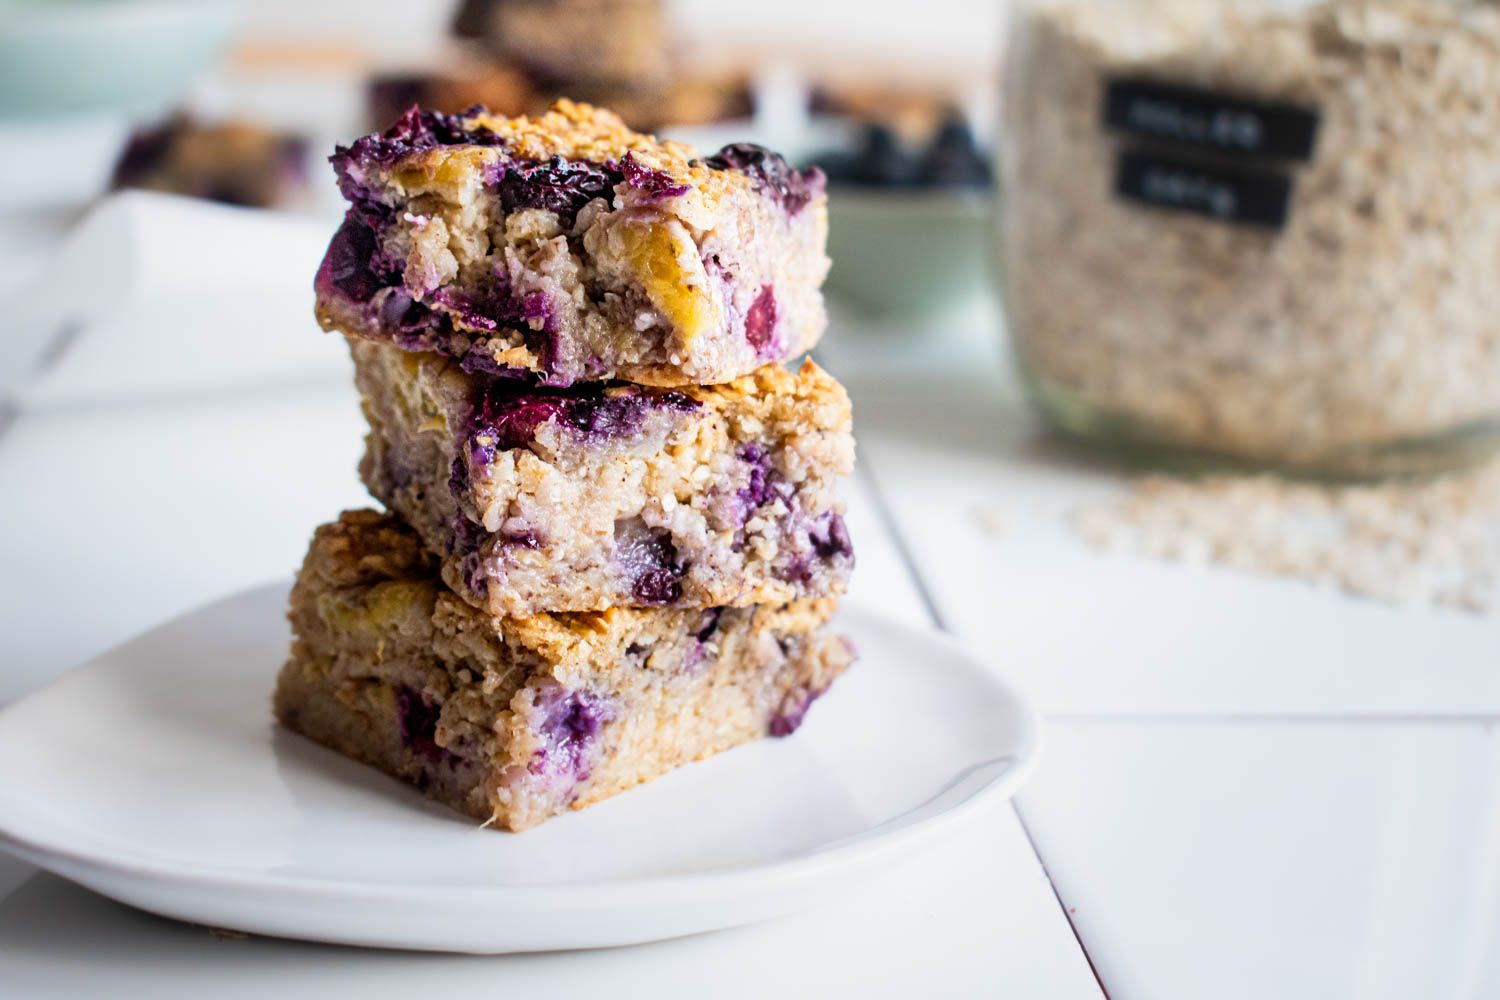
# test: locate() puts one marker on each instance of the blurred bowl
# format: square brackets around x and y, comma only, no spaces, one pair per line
[909,253]
[126,57]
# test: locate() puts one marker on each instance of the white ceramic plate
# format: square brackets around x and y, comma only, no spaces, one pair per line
[154,775]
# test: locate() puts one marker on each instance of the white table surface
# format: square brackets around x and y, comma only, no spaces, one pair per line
[1250,788]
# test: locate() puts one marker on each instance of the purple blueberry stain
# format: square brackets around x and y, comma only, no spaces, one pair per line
[458,477]
[762,485]
[557,185]
[473,313]
[648,558]
[536,308]
[496,308]
[481,456]
[756,490]
[521,538]
[760,323]
[354,269]
[404,315]
[509,416]
[466,535]
[347,265]
[696,652]
[466,540]
[656,184]
[715,266]
[789,187]
[610,417]
[556,371]
[473,462]
[830,537]
[415,132]
[569,727]
[710,624]
[418,720]
[478,360]
[475,547]
[827,542]
[512,423]
[793,711]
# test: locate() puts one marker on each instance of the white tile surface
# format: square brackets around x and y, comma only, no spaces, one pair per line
[183,298]
[975,920]
[121,518]
[1327,850]
[983,500]
[1266,859]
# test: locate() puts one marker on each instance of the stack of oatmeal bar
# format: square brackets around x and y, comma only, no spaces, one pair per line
[612,541]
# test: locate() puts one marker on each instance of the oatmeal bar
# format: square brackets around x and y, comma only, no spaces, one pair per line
[515,720]
[573,41]
[234,162]
[690,97]
[460,82]
[570,246]
[603,495]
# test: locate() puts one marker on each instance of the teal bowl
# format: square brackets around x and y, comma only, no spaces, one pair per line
[907,254]
[128,57]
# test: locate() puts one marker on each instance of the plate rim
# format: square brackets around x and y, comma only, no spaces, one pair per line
[863,847]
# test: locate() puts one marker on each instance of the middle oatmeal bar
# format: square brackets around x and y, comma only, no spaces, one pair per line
[597,496]
[569,246]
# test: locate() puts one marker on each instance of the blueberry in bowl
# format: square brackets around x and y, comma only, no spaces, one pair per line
[909,225]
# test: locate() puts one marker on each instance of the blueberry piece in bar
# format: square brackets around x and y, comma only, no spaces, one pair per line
[514,721]
[598,495]
[569,246]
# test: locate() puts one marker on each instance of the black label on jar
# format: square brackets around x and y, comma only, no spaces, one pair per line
[1203,119]
[1249,197]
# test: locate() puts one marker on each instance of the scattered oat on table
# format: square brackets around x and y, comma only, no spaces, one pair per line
[990,520]
[1435,542]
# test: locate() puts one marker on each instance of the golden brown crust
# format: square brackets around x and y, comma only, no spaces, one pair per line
[573,131]
[775,392]
[364,548]
[577,131]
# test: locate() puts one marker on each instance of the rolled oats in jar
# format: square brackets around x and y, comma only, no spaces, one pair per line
[1262,231]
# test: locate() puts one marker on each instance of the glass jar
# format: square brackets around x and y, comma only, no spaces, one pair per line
[1257,232]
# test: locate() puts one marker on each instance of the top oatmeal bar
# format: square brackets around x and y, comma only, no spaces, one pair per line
[569,246]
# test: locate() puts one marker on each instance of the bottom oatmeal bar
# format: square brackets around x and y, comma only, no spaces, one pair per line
[517,719]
